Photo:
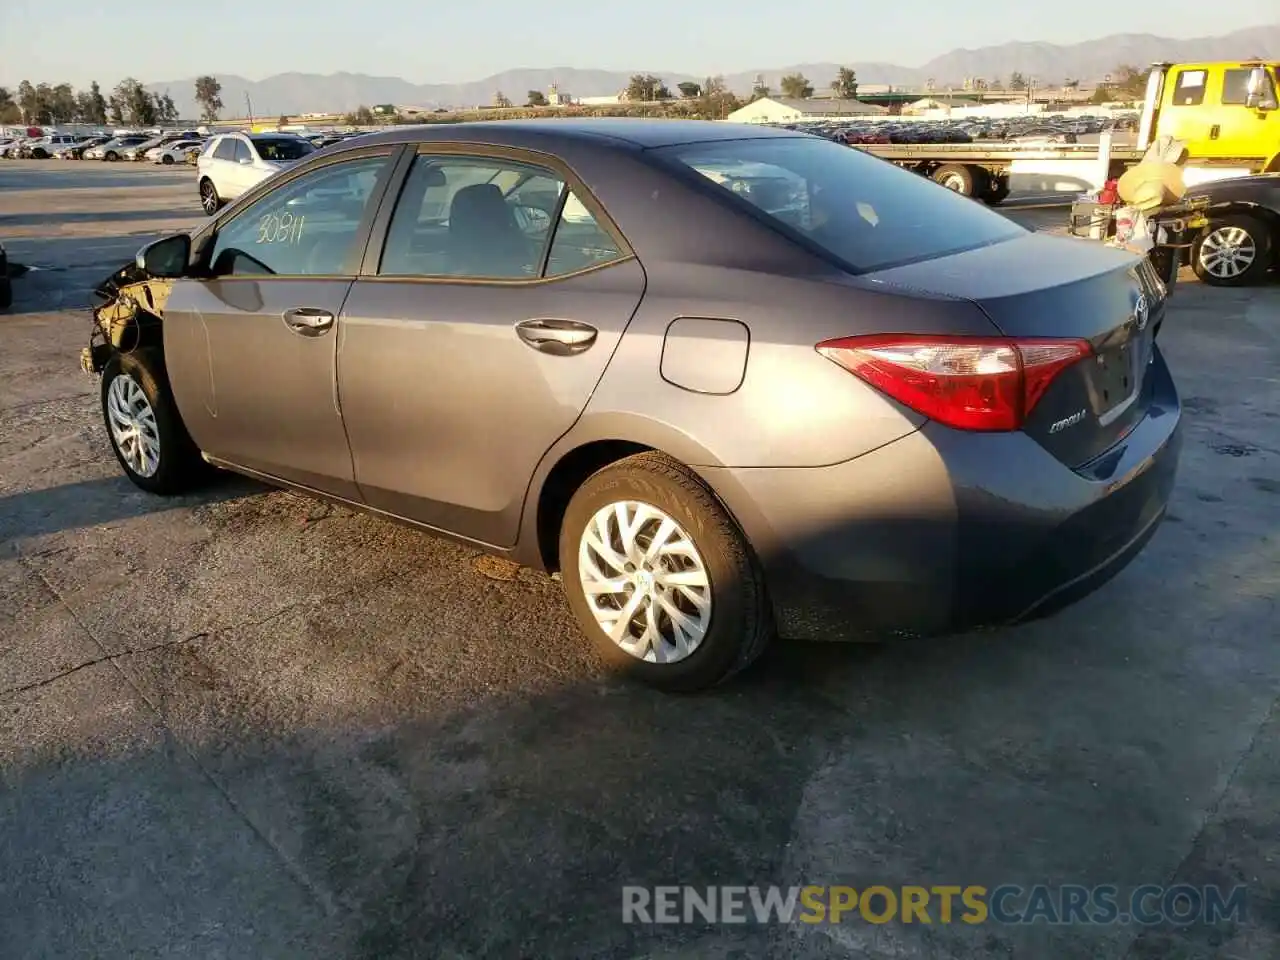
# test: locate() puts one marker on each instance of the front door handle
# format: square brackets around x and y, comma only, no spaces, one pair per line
[308,321]
[1214,131]
[560,338]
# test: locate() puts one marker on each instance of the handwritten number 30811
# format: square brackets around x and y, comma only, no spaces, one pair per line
[280,228]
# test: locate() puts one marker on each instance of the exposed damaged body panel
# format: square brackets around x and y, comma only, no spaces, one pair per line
[128,317]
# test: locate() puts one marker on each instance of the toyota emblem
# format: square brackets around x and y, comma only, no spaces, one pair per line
[1141,311]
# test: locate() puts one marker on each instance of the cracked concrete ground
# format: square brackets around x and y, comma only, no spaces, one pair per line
[243,724]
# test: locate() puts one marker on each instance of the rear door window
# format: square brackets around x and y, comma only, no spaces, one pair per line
[488,218]
[473,217]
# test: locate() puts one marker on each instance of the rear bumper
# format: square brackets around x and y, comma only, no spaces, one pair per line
[943,530]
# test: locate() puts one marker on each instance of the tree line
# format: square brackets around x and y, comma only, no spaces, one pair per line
[45,104]
[795,86]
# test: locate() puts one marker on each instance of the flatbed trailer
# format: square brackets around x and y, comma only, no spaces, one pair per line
[982,170]
[1228,132]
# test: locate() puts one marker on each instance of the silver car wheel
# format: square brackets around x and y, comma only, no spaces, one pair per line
[1228,252]
[645,582]
[133,425]
[208,198]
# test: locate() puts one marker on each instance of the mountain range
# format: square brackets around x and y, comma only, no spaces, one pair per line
[1048,63]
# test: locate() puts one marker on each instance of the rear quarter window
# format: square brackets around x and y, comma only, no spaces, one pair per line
[863,211]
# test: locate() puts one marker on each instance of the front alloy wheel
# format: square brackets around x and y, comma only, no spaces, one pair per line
[133,426]
[146,432]
[209,201]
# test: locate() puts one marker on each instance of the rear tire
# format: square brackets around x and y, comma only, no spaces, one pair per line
[997,193]
[1232,251]
[145,429]
[707,575]
[210,202]
[965,180]
[166,160]
[111,156]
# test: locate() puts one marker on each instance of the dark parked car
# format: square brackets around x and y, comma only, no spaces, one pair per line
[725,380]
[1242,241]
[6,285]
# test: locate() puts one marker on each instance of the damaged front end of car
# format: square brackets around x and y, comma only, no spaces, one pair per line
[127,317]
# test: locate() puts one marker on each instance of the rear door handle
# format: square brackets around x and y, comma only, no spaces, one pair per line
[1214,131]
[308,321]
[560,338]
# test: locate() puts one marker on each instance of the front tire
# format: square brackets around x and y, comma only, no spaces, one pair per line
[210,202]
[111,157]
[660,577]
[167,160]
[146,432]
[1233,251]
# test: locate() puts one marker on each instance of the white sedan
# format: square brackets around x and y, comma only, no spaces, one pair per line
[177,152]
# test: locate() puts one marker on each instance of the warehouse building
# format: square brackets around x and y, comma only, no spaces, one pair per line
[787,110]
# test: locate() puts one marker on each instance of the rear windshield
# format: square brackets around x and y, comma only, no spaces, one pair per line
[864,211]
[286,148]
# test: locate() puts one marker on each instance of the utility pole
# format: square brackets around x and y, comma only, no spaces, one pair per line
[248,106]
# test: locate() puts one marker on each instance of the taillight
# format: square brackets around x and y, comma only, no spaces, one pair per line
[970,383]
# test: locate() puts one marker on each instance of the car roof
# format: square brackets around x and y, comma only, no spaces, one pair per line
[621,131]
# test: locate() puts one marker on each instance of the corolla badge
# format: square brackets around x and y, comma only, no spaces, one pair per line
[1060,425]
[1141,311]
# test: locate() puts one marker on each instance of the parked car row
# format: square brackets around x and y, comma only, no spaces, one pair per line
[1033,129]
[168,148]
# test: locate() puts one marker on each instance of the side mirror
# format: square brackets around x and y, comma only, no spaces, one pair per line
[246,160]
[166,258]
[1259,94]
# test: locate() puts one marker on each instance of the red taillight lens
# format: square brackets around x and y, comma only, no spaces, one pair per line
[970,383]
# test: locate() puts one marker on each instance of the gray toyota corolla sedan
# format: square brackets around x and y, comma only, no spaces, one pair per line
[728,381]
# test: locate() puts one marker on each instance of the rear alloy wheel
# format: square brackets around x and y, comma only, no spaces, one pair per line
[210,202]
[166,159]
[1232,252]
[146,432]
[660,577]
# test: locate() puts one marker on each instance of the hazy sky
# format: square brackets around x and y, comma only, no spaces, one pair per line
[423,41]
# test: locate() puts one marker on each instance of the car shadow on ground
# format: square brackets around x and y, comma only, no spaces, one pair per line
[90,503]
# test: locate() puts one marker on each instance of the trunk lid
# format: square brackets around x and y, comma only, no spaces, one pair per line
[1056,287]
